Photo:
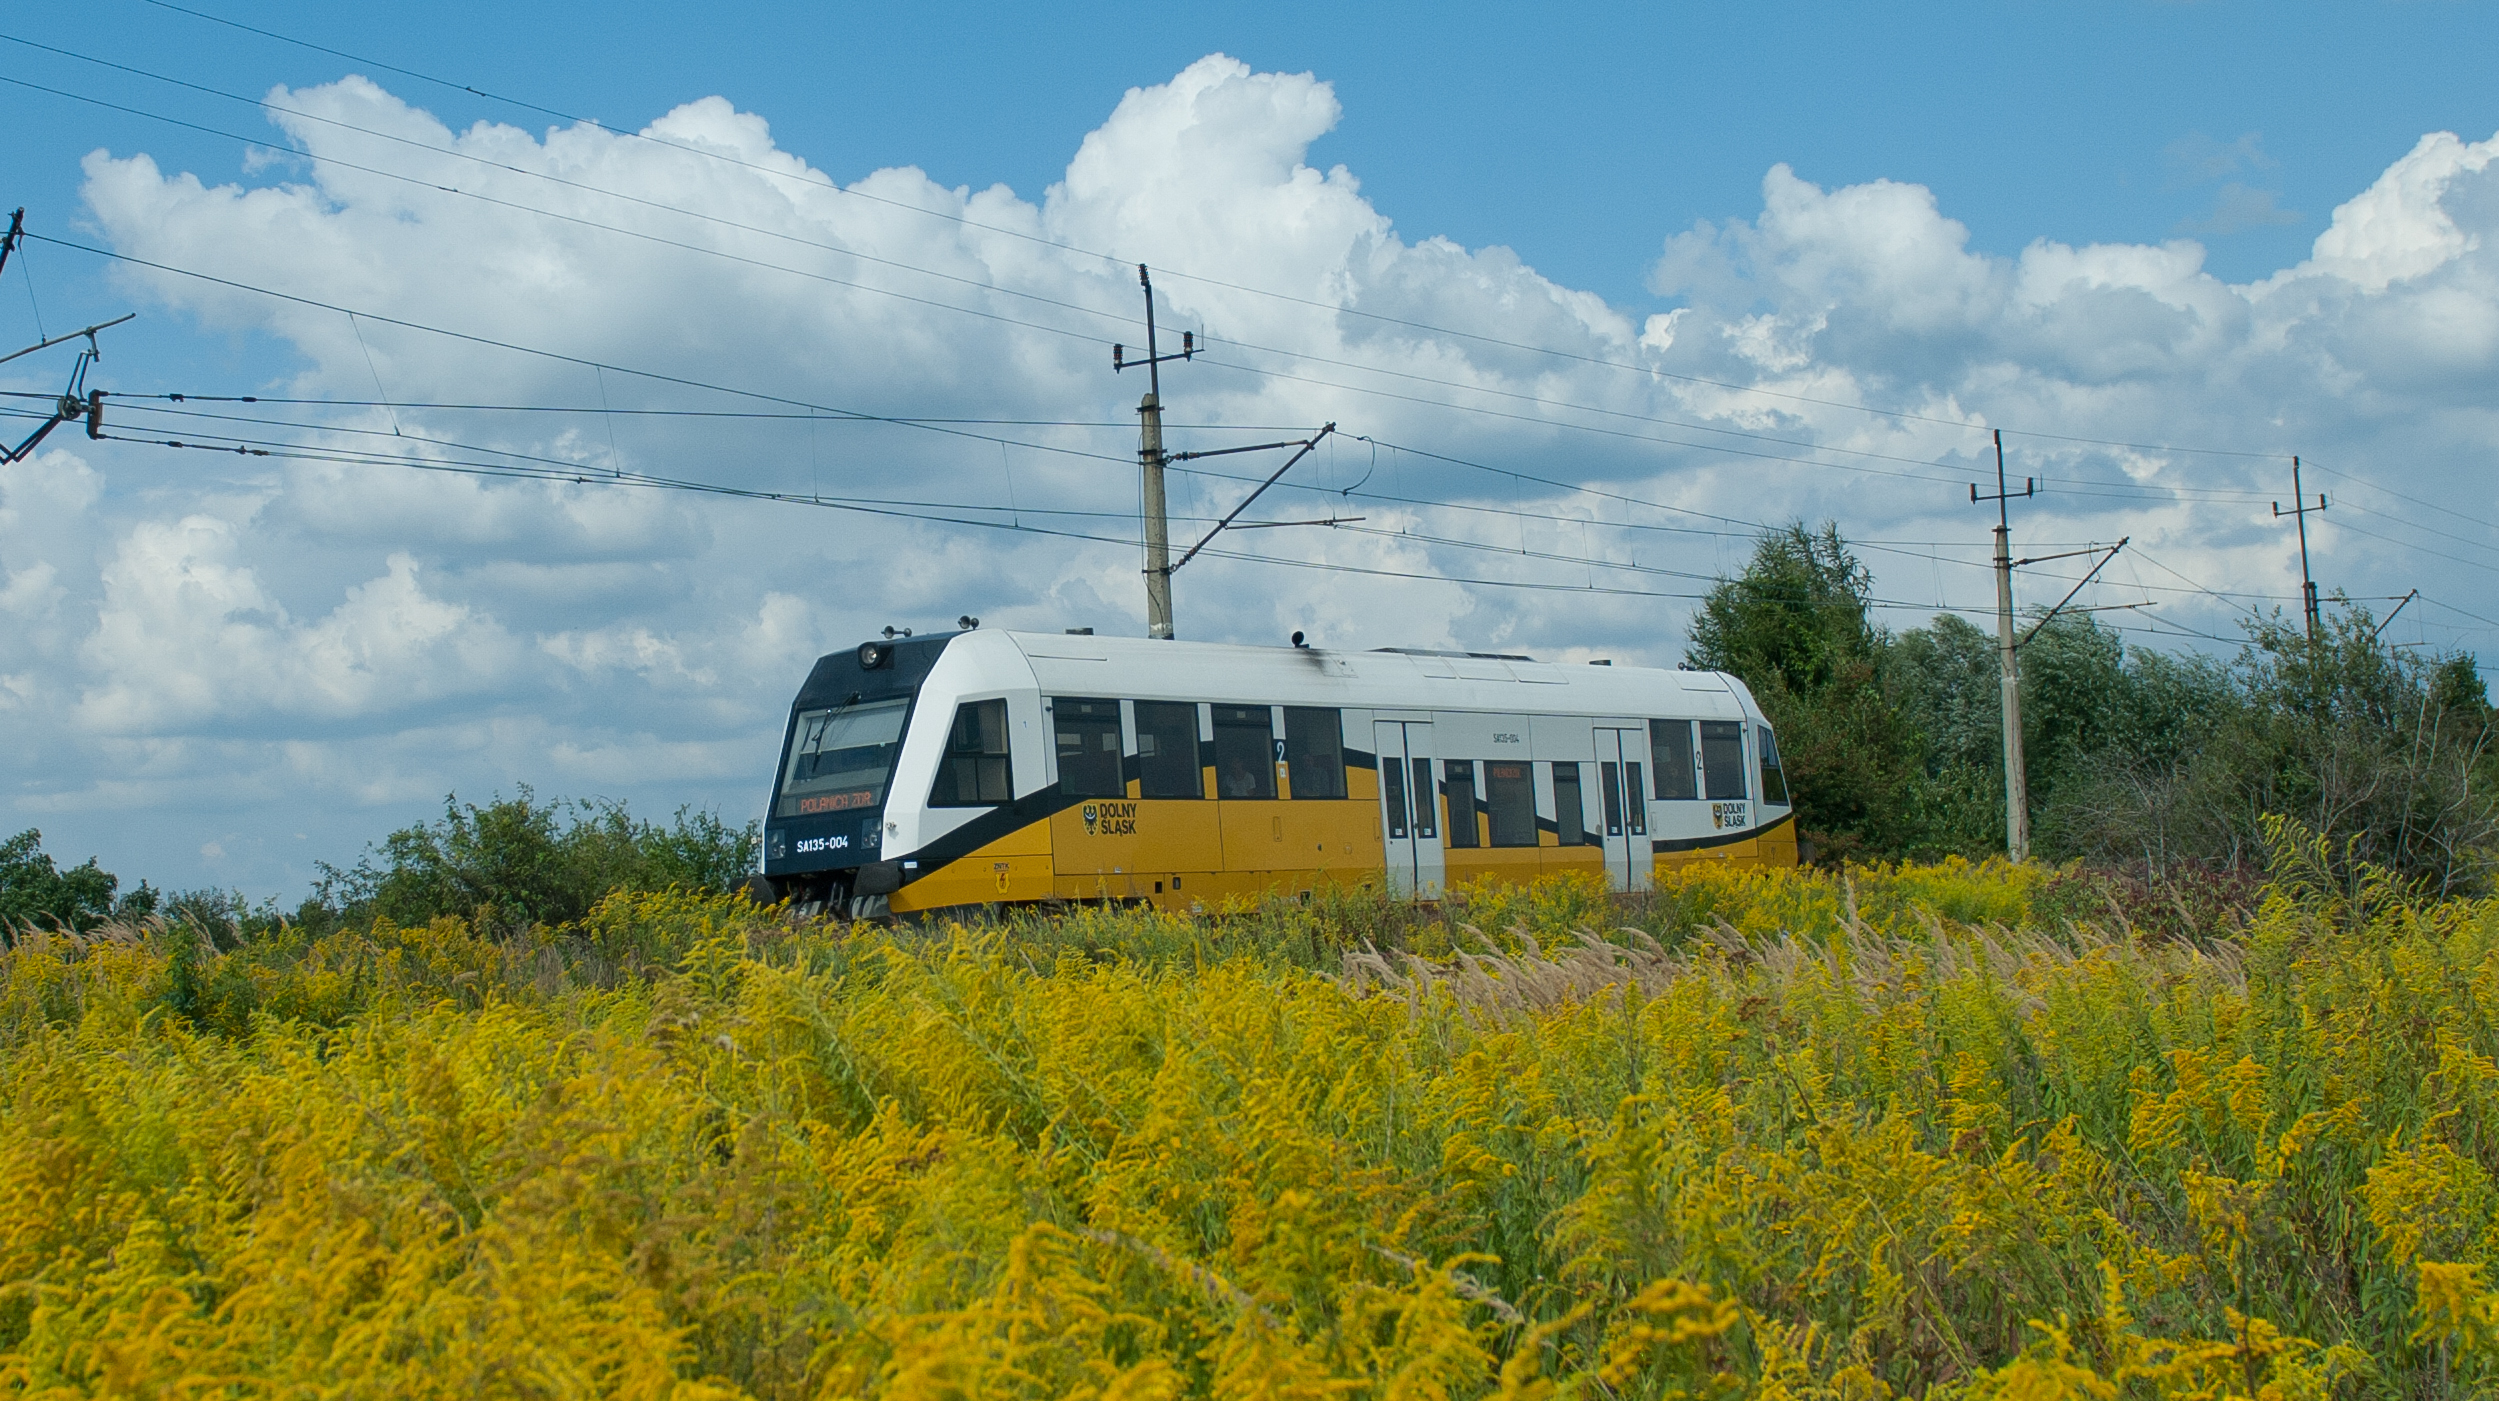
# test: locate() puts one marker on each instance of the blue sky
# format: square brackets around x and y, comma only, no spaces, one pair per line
[1576,137]
[2115,225]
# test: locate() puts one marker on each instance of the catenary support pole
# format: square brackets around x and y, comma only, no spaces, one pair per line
[2016,780]
[2307,582]
[1151,460]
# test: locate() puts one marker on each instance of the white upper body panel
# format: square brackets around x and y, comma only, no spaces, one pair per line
[1136,668]
[1506,700]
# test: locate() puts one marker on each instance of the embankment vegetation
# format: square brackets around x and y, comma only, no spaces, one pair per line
[526,1103]
[1951,1129]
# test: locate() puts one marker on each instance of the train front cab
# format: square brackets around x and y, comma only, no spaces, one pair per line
[1720,792]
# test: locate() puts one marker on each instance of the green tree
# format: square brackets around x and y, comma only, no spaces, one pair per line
[1795,627]
[34,890]
[1943,680]
[518,861]
[2386,755]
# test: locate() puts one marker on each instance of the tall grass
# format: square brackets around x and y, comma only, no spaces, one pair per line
[1897,1131]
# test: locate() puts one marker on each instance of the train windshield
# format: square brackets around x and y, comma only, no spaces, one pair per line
[841,758]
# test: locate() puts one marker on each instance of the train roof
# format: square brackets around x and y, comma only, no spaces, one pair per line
[1394,679]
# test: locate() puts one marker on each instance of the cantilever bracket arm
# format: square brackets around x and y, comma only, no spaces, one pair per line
[2046,617]
[89,333]
[2390,617]
[1227,452]
[1305,444]
[22,449]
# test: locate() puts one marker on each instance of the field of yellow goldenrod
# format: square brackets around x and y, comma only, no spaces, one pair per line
[1903,1131]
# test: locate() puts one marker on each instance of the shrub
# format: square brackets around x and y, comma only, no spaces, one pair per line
[517,861]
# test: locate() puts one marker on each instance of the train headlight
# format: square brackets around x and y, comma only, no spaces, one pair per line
[872,655]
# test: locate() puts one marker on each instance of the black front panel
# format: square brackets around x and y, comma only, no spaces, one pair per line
[800,844]
[824,815]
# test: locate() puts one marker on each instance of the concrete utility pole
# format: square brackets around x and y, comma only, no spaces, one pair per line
[1150,463]
[2016,781]
[2299,511]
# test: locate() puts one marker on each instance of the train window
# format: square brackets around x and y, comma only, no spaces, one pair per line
[1635,807]
[1314,752]
[1167,750]
[1426,805]
[1722,757]
[1773,782]
[1393,792]
[1461,790]
[1245,746]
[1671,742]
[973,772]
[1569,810]
[1088,733]
[1510,797]
[841,758]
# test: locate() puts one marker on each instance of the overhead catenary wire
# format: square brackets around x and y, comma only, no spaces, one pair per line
[935,512]
[1650,369]
[929,512]
[658,376]
[1124,259]
[2443,508]
[1592,561]
[564,468]
[839,249]
[2074,486]
[873,289]
[689,382]
[1748,529]
[179,397]
[932,512]
[2077,483]
[992,286]
[558,468]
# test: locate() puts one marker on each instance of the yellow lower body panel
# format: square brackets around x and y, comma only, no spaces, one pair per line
[1179,854]
[1775,847]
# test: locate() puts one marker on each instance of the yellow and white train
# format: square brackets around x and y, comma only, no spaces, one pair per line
[1003,767]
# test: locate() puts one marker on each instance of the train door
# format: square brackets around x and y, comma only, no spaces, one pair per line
[1623,799]
[1410,807]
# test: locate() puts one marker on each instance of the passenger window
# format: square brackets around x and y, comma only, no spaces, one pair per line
[1245,747]
[1167,750]
[1426,802]
[1461,790]
[974,770]
[1569,813]
[1722,757]
[1773,781]
[1671,742]
[1088,732]
[1393,792]
[1510,794]
[1314,752]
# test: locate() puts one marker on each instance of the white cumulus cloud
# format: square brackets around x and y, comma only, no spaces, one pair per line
[271,634]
